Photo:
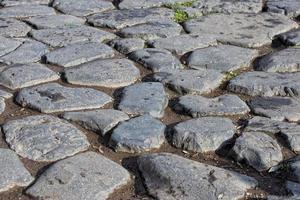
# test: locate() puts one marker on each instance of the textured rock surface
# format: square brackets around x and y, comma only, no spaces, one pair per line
[23,2]
[291,38]
[13,28]
[5,95]
[290,8]
[131,4]
[23,11]
[2,105]
[128,45]
[8,45]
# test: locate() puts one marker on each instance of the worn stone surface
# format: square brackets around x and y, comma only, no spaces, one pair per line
[132,4]
[100,121]
[291,38]
[5,95]
[156,59]
[13,28]
[127,45]
[8,45]
[198,106]
[44,138]
[223,57]
[23,2]
[139,134]
[189,180]
[290,8]
[79,53]
[112,73]
[23,11]
[13,173]
[293,188]
[144,98]
[52,97]
[2,105]
[84,176]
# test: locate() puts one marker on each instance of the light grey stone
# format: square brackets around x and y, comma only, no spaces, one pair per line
[156,59]
[137,135]
[23,2]
[59,37]
[12,171]
[78,53]
[7,45]
[100,121]
[290,8]
[133,4]
[5,95]
[223,57]
[44,138]
[191,81]
[258,150]
[144,98]
[52,97]
[127,45]
[111,73]
[169,176]
[84,176]
[23,11]
[291,38]
[2,105]
[13,28]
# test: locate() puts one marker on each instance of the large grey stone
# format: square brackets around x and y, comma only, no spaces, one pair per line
[190,81]
[23,2]
[13,28]
[198,106]
[5,95]
[127,45]
[84,176]
[133,4]
[23,11]
[2,105]
[137,135]
[203,134]
[223,57]
[156,59]
[144,98]
[12,171]
[169,176]
[7,45]
[52,97]
[290,8]
[292,166]
[44,138]
[100,121]
[246,30]
[291,38]
[112,73]
[293,188]
[79,53]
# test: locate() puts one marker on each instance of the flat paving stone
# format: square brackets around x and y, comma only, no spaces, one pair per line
[203,134]
[79,53]
[277,108]
[223,57]
[286,60]
[23,11]
[258,150]
[13,28]
[156,59]
[138,135]
[23,2]
[190,81]
[59,37]
[5,95]
[132,4]
[266,84]
[100,121]
[291,38]
[13,173]
[190,180]
[24,75]
[44,138]
[117,19]
[111,73]
[85,176]
[8,45]
[247,30]
[290,8]
[144,98]
[82,7]
[52,97]
[127,45]
[2,105]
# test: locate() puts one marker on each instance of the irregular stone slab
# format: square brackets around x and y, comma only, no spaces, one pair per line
[59,37]
[132,4]
[117,19]
[13,172]
[286,60]
[182,44]
[25,75]
[52,97]
[138,135]
[22,2]
[152,30]
[112,73]
[8,45]
[13,28]
[55,21]
[29,52]
[156,59]
[277,108]
[291,38]
[144,98]
[258,150]
[223,57]
[203,134]
[198,106]
[100,121]
[2,105]
[23,11]
[190,81]
[189,180]
[78,53]
[82,7]
[127,45]
[5,95]
[266,84]
[44,138]
[290,8]
[84,176]
[246,30]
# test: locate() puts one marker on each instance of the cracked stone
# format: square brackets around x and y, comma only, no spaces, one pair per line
[8,45]
[13,28]
[291,8]
[23,11]
[127,45]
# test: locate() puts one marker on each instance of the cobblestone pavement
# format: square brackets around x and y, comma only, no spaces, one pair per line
[149,99]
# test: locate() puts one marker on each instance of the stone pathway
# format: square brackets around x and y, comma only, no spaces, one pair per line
[149,99]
